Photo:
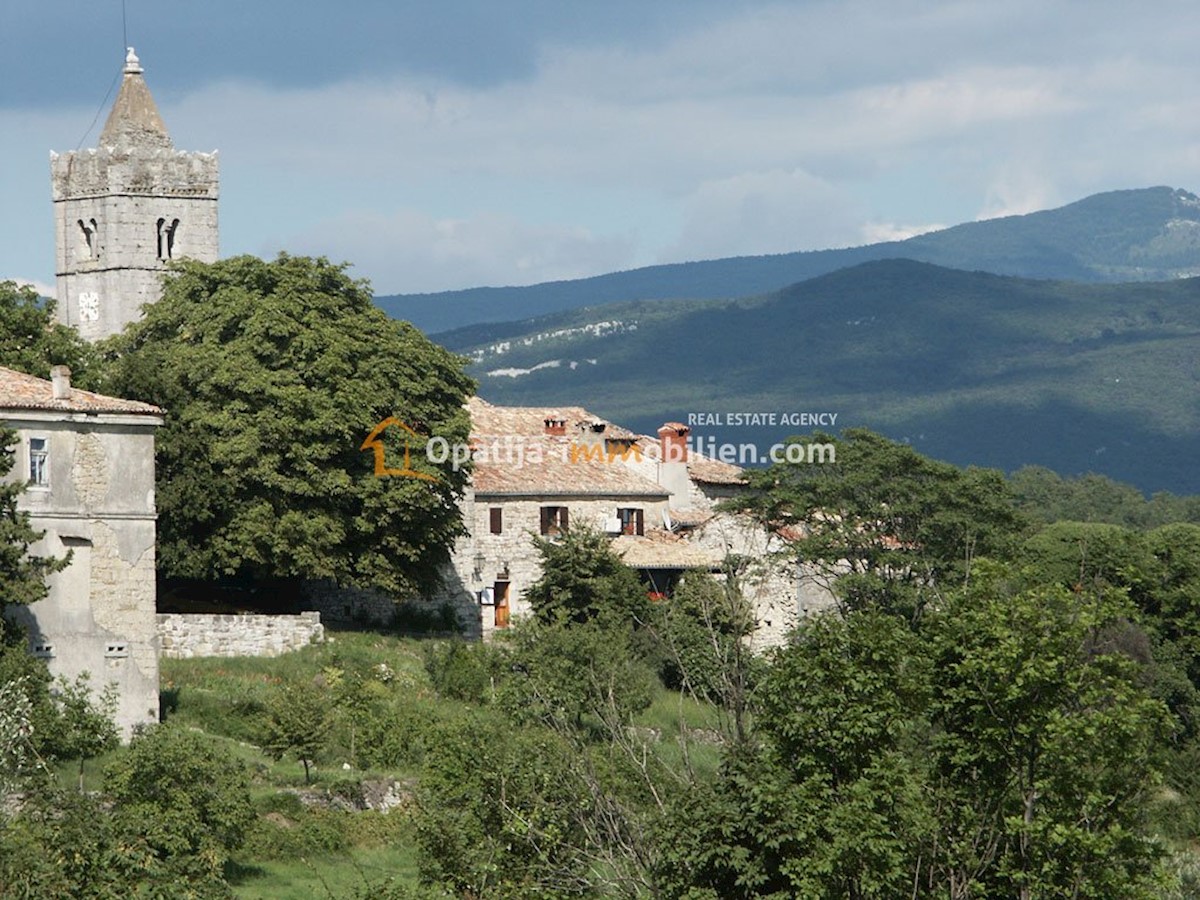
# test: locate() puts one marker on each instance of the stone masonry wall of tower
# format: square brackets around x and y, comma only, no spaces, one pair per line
[124,210]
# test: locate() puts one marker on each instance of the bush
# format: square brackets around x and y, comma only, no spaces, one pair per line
[299,832]
[397,737]
[179,801]
[459,670]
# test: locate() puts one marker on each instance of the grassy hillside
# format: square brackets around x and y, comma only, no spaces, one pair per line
[1136,235]
[970,367]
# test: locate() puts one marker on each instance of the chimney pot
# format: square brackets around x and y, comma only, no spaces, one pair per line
[60,381]
[672,439]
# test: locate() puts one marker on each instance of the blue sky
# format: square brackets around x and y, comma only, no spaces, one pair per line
[451,144]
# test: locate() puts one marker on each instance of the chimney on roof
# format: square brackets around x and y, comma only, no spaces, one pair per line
[590,433]
[60,383]
[672,442]
[556,425]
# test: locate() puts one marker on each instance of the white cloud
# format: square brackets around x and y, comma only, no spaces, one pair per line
[880,232]
[767,128]
[43,289]
[764,212]
[411,252]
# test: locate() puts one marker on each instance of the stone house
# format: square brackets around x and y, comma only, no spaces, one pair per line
[538,471]
[88,464]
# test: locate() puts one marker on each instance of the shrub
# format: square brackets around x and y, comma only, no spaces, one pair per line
[459,670]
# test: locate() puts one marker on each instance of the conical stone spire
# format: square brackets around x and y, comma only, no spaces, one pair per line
[134,121]
[124,210]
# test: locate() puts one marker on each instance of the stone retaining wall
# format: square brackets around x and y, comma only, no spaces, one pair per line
[184,635]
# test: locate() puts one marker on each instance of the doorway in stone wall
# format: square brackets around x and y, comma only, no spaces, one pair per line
[500,594]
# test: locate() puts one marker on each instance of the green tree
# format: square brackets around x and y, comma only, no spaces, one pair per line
[700,631]
[828,801]
[86,726]
[583,580]
[31,341]
[62,843]
[500,812]
[272,374]
[179,807]
[298,723]
[1045,746]
[572,675]
[1170,589]
[1087,555]
[894,525]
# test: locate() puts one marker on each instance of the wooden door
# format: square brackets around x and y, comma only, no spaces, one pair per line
[500,594]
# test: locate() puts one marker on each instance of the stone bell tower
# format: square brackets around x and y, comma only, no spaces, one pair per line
[124,210]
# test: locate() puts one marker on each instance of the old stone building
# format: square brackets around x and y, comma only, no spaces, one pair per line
[125,209]
[88,462]
[538,471]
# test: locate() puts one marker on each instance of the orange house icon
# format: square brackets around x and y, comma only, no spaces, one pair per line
[374,442]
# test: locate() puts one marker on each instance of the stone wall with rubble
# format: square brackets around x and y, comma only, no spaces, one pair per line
[781,591]
[184,635]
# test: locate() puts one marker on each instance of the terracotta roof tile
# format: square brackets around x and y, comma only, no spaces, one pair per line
[487,419]
[21,391]
[701,468]
[659,549]
[553,466]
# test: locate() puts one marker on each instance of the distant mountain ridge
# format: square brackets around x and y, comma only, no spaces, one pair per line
[1146,234]
[971,367]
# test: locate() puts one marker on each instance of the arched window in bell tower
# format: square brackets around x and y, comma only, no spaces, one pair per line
[91,239]
[166,238]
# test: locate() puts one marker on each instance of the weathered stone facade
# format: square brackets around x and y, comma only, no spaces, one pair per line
[124,210]
[184,635]
[484,559]
[89,461]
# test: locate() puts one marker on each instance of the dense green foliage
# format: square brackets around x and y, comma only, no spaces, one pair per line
[1116,236]
[897,527]
[997,709]
[1046,497]
[187,804]
[583,580]
[271,375]
[31,341]
[171,810]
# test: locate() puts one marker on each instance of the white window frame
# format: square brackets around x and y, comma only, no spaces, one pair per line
[42,454]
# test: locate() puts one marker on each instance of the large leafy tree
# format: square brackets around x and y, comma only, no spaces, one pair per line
[1045,746]
[1004,748]
[893,525]
[31,340]
[272,374]
[827,801]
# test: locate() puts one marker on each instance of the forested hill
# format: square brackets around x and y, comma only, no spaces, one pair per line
[970,367]
[1134,235]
